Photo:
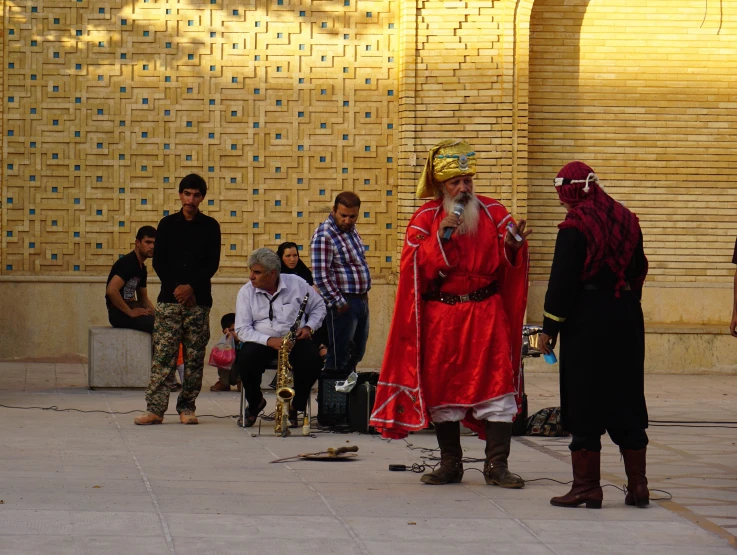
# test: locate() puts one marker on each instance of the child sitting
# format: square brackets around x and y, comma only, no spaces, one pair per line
[228,377]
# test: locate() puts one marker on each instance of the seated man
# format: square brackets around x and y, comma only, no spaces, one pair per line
[126,296]
[266,308]
[128,305]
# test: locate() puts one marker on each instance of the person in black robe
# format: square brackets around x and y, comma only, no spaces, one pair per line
[292,264]
[593,301]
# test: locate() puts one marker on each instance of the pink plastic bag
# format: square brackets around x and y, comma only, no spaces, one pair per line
[223,353]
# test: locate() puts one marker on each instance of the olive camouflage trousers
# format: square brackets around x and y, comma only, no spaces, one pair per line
[175,324]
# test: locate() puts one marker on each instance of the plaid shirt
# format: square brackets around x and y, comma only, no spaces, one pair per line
[338,263]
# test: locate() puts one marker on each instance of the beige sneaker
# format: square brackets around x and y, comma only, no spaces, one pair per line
[148,419]
[188,417]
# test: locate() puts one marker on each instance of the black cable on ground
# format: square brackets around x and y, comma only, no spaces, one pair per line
[691,422]
[701,426]
[270,417]
[428,454]
[54,408]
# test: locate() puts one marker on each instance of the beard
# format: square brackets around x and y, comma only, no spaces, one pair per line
[470,213]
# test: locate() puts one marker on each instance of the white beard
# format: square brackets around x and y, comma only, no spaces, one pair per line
[470,215]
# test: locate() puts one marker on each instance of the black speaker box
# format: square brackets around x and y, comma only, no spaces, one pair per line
[360,406]
[332,406]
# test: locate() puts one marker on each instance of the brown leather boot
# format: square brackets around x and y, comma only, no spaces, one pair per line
[634,465]
[188,417]
[219,386]
[148,419]
[586,477]
[450,469]
[498,442]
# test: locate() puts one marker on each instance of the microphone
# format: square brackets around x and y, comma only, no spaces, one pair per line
[458,211]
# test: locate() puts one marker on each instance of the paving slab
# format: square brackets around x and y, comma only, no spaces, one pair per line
[93,482]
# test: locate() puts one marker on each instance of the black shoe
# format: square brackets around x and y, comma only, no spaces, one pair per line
[251,418]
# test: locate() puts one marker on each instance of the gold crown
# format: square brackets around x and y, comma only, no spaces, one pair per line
[446,160]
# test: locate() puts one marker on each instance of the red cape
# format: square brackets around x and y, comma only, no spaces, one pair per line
[400,405]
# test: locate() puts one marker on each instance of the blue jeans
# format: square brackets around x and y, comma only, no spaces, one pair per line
[348,334]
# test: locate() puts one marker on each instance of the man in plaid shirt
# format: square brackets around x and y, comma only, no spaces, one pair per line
[342,276]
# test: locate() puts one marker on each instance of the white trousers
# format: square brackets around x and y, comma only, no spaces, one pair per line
[502,409]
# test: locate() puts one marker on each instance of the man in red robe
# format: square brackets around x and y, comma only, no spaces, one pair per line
[455,340]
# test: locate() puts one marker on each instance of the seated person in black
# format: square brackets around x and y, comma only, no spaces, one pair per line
[128,305]
[292,264]
[266,308]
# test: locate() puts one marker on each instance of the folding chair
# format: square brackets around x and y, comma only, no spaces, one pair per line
[244,402]
[244,406]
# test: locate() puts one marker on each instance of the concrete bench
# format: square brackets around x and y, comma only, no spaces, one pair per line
[118,357]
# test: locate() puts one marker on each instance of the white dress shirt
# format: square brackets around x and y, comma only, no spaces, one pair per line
[252,323]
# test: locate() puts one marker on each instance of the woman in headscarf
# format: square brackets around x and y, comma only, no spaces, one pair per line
[593,301]
[292,264]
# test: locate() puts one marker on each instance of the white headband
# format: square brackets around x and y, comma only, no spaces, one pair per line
[560,181]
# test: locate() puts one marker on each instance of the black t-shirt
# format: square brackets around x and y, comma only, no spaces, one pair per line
[133,275]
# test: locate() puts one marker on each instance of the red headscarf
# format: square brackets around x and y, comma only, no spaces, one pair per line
[611,230]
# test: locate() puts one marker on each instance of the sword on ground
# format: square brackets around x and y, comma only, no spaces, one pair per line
[331,453]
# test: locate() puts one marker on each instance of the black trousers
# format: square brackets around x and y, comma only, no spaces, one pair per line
[626,439]
[120,320]
[253,359]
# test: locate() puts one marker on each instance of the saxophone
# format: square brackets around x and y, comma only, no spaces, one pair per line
[284,379]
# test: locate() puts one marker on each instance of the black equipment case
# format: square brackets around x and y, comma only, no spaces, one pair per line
[360,406]
[332,406]
[361,402]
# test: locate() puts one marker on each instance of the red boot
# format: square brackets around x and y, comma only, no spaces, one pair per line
[586,477]
[634,465]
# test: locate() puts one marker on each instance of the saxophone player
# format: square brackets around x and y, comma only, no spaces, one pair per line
[266,308]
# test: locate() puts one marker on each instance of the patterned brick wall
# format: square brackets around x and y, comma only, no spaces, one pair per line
[281,104]
[645,93]
[458,83]
[278,104]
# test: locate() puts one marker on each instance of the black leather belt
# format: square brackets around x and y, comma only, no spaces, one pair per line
[595,287]
[356,295]
[475,296]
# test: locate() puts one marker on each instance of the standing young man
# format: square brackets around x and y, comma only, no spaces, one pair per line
[342,276]
[187,255]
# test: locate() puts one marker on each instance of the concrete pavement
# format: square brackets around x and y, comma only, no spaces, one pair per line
[73,482]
